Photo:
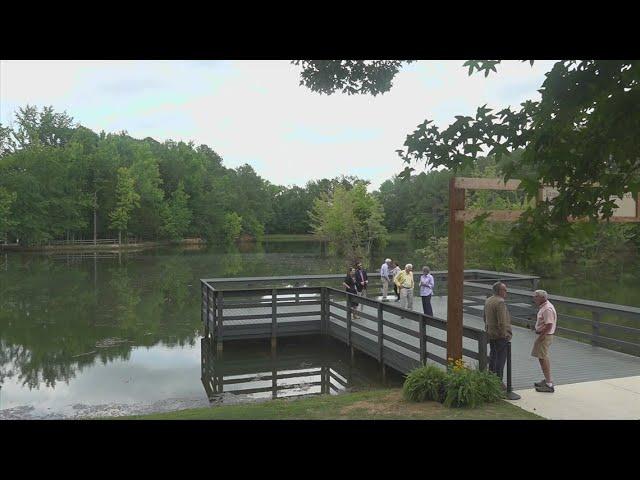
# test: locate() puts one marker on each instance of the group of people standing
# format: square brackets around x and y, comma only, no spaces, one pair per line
[403,284]
[498,325]
[496,314]
[357,280]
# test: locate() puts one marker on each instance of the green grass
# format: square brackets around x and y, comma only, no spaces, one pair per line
[364,405]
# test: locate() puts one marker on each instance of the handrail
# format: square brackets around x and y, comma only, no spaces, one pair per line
[574,302]
[333,276]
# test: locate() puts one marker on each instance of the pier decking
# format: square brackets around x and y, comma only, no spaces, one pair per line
[403,339]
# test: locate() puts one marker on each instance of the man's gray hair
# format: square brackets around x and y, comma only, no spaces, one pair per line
[388,260]
[408,265]
[541,293]
[496,287]
[426,269]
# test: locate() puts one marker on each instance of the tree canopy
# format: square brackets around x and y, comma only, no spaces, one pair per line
[581,137]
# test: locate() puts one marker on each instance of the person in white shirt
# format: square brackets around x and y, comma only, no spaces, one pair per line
[384,276]
[426,290]
[546,321]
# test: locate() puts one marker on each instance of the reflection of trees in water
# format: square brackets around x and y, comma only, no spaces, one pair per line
[54,319]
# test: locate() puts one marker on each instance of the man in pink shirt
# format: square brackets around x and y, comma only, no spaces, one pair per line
[546,320]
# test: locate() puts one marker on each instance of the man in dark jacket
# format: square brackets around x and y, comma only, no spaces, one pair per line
[498,325]
[361,281]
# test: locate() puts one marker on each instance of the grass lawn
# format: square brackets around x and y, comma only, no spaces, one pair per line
[365,405]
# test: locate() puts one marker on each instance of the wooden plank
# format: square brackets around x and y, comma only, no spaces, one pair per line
[467,183]
[494,215]
[380,333]
[402,329]
[368,330]
[402,344]
[456,272]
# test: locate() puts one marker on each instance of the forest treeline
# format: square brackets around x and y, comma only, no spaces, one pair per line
[60,180]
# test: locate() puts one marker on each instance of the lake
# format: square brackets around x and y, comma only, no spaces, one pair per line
[84,334]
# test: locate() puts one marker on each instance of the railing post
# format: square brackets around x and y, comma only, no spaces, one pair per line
[348,319]
[482,351]
[380,333]
[204,307]
[323,313]
[219,332]
[423,341]
[595,327]
[274,317]
[511,395]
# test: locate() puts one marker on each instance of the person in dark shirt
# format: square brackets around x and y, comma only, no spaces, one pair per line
[350,287]
[362,279]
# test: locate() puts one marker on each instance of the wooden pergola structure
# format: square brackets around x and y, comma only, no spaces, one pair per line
[627,211]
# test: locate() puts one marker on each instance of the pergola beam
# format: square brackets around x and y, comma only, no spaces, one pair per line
[486,184]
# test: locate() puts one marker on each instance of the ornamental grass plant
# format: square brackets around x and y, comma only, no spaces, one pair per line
[425,384]
[458,386]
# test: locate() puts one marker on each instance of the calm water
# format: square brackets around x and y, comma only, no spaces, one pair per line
[108,334]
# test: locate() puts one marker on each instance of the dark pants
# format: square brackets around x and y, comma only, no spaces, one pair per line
[395,289]
[498,356]
[426,305]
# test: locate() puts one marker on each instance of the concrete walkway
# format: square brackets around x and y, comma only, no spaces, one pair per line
[611,399]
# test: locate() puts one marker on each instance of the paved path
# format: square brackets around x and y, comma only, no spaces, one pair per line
[612,399]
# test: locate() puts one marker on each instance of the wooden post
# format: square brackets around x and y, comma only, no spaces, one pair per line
[274,317]
[482,351]
[323,312]
[204,304]
[348,320]
[219,333]
[455,273]
[423,341]
[380,333]
[595,327]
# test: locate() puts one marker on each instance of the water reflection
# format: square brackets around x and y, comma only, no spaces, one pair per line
[61,313]
[305,365]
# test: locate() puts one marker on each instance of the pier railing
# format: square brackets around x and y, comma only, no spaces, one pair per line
[606,325]
[400,338]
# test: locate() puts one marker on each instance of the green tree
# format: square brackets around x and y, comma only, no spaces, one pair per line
[126,200]
[232,227]
[581,137]
[176,215]
[350,219]
[7,199]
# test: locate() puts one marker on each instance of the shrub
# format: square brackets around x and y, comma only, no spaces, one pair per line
[467,387]
[489,385]
[425,383]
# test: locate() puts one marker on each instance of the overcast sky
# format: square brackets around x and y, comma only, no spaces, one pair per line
[256,112]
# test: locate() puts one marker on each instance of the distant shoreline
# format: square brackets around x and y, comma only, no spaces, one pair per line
[274,237]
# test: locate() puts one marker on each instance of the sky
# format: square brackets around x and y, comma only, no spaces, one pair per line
[256,112]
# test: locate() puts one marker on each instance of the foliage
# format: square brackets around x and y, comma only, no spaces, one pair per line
[350,219]
[458,386]
[349,76]
[127,200]
[417,203]
[232,227]
[6,201]
[176,215]
[466,387]
[581,137]
[425,384]
[64,176]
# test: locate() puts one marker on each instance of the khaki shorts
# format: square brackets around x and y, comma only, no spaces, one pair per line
[541,346]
